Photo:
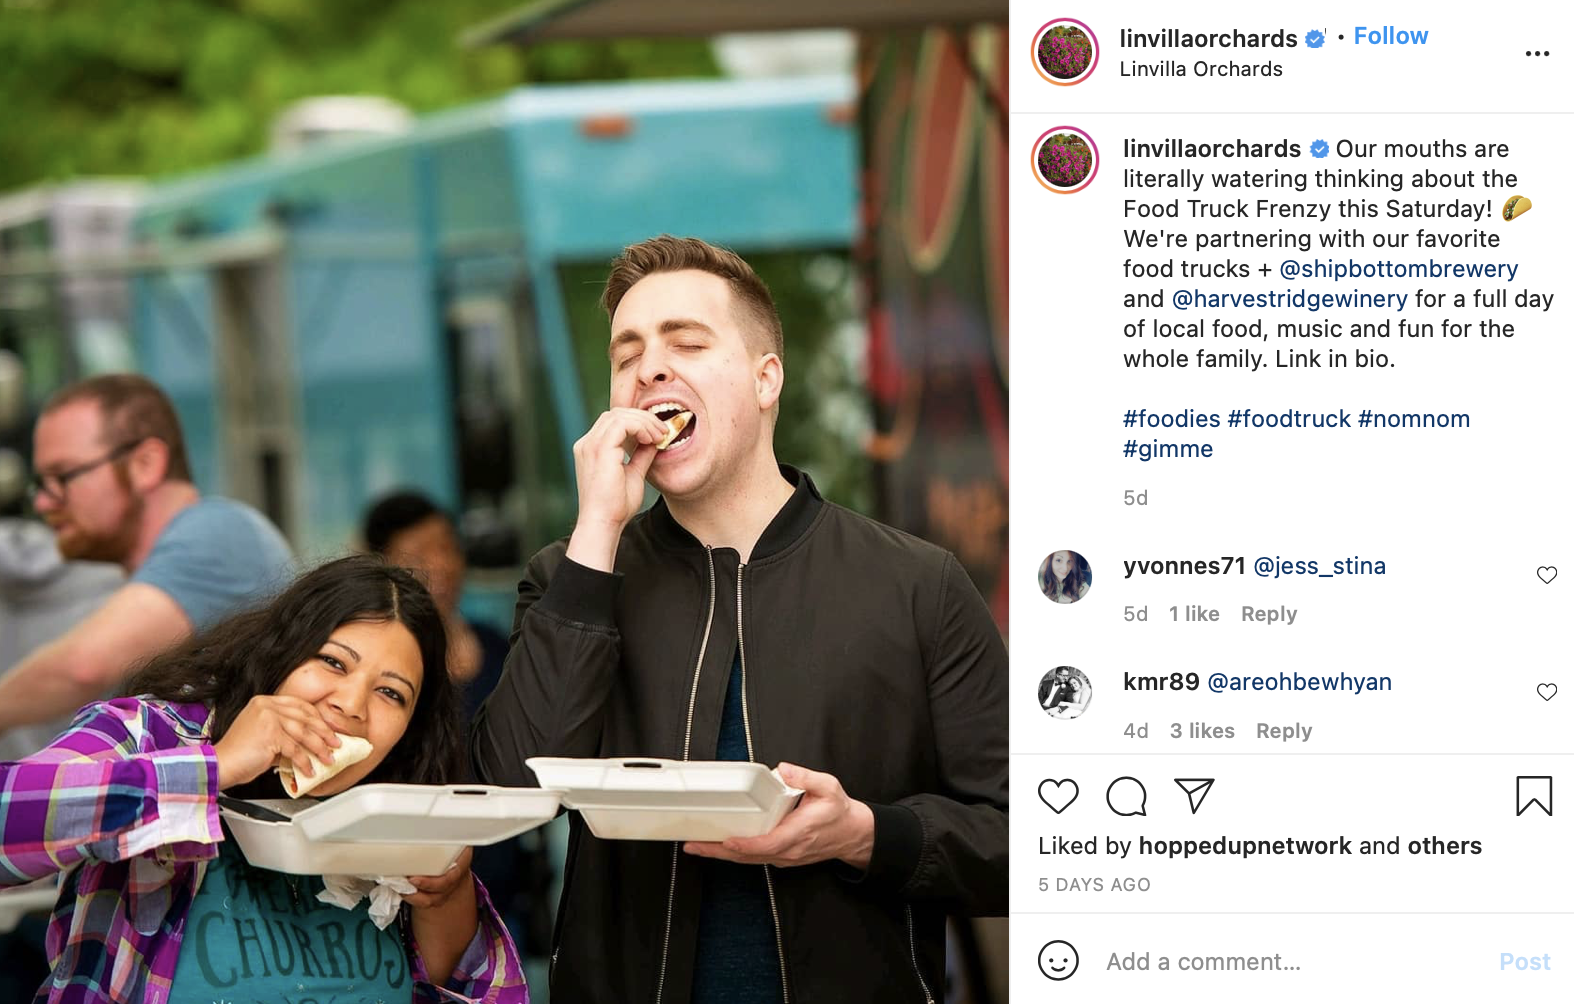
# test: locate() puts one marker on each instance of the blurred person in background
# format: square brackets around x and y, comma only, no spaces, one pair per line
[408,529]
[41,597]
[113,482]
[874,679]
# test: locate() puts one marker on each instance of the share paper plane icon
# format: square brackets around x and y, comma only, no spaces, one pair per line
[1196,789]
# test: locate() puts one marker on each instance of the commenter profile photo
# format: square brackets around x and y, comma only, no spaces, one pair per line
[1065,576]
[1065,692]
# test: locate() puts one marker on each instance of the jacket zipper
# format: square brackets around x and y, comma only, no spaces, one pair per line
[748,739]
[688,735]
[912,946]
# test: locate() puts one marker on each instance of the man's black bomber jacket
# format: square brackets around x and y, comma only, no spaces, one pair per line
[867,654]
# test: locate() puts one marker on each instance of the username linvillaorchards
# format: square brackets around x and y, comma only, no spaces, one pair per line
[1174,38]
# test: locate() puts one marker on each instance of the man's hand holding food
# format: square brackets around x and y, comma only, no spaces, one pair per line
[610,490]
[827,825]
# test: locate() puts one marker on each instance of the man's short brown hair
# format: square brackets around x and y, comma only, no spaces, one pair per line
[762,325]
[134,409]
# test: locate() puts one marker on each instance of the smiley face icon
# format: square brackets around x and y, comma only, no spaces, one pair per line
[1057,960]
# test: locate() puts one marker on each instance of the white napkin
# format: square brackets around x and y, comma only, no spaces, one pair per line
[384,890]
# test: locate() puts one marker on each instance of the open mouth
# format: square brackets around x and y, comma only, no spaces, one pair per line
[680,424]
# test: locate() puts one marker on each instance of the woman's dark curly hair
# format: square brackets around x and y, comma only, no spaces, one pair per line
[254,652]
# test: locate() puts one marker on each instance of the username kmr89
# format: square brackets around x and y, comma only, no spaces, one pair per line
[1174,681]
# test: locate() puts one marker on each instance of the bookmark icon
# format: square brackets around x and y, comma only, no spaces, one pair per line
[1533,790]
[1196,789]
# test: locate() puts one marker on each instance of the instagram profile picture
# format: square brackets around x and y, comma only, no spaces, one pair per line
[1065,160]
[1065,51]
[1065,692]
[1065,576]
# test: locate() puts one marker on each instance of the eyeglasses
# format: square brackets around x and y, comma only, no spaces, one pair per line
[54,485]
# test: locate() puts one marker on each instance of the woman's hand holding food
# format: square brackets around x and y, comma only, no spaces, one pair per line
[270,727]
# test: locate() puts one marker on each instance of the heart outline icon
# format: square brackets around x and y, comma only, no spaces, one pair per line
[1547,691]
[1546,573]
[1057,793]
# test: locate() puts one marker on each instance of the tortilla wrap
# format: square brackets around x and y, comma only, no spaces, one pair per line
[676,424]
[352,750]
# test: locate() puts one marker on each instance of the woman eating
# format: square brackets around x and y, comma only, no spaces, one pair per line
[157,905]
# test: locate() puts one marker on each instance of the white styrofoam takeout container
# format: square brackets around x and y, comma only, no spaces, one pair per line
[639,798]
[387,829]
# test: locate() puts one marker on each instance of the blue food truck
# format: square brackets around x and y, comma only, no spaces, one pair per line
[419,310]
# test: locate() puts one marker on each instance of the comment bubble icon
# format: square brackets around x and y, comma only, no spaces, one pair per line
[1127,797]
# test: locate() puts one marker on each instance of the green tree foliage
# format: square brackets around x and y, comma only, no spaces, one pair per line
[150,88]
[154,87]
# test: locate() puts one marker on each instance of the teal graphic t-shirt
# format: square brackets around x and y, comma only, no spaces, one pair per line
[262,936]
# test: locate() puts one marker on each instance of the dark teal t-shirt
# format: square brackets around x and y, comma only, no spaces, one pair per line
[258,935]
